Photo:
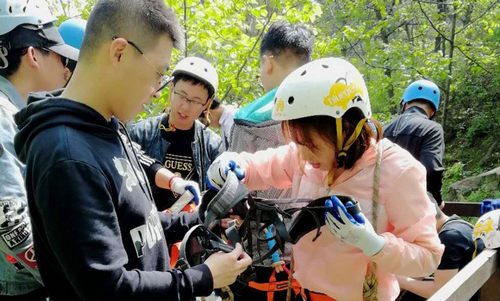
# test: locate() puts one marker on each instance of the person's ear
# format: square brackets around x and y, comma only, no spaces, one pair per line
[431,113]
[116,49]
[32,57]
[268,64]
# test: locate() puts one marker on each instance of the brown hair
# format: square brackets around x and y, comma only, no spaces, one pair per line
[299,131]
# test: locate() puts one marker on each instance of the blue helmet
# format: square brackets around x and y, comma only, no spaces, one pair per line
[422,89]
[72,32]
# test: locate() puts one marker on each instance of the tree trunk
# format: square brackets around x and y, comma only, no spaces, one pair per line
[185,30]
[448,97]
[384,36]
[440,43]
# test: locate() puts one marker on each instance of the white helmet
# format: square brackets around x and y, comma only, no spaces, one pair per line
[328,86]
[198,68]
[487,229]
[16,12]
[324,87]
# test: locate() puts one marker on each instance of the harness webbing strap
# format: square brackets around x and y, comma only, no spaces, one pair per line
[276,286]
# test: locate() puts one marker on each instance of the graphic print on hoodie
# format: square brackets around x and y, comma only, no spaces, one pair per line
[97,232]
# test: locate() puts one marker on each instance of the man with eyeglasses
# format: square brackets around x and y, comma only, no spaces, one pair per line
[98,233]
[183,144]
[33,57]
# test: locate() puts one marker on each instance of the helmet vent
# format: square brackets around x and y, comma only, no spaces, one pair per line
[435,92]
[290,100]
[324,66]
[192,63]
[303,73]
[275,99]
[10,9]
[420,87]
[205,70]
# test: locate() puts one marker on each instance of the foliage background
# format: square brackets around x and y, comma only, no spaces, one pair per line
[455,43]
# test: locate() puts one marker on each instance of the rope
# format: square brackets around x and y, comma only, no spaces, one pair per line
[290,279]
[370,285]
[229,296]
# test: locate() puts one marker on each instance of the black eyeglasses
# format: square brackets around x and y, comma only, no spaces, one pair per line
[164,79]
[188,101]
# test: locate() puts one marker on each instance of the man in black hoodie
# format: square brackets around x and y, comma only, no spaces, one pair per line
[97,232]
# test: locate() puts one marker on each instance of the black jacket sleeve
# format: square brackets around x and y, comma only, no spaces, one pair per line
[82,231]
[175,225]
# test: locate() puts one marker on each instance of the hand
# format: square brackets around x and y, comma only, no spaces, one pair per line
[179,186]
[278,266]
[356,231]
[225,267]
[217,172]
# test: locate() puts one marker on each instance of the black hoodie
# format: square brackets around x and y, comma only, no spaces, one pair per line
[97,232]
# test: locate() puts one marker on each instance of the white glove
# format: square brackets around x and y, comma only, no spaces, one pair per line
[179,186]
[356,231]
[217,172]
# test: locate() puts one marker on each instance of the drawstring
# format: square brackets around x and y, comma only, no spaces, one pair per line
[148,193]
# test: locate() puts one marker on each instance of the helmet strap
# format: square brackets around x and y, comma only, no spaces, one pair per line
[207,111]
[171,127]
[344,147]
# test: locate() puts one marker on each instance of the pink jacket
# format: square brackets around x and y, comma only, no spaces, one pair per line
[406,218]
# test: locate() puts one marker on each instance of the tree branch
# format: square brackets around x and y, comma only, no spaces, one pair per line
[385,68]
[488,9]
[261,33]
[62,7]
[450,41]
[185,30]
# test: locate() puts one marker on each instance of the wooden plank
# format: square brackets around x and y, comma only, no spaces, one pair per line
[462,208]
[491,289]
[470,279]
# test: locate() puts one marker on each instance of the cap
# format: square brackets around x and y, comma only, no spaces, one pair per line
[46,37]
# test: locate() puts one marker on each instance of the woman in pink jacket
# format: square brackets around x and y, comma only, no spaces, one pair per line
[334,149]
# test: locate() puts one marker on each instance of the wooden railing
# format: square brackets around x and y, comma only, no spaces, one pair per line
[481,274]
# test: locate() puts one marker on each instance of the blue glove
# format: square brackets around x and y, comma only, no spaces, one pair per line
[355,229]
[217,172]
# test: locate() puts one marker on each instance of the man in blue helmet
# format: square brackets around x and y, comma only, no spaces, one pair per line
[415,131]
[33,57]
[72,32]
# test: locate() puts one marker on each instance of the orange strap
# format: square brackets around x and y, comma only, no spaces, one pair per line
[174,254]
[275,286]
[174,251]
[319,297]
